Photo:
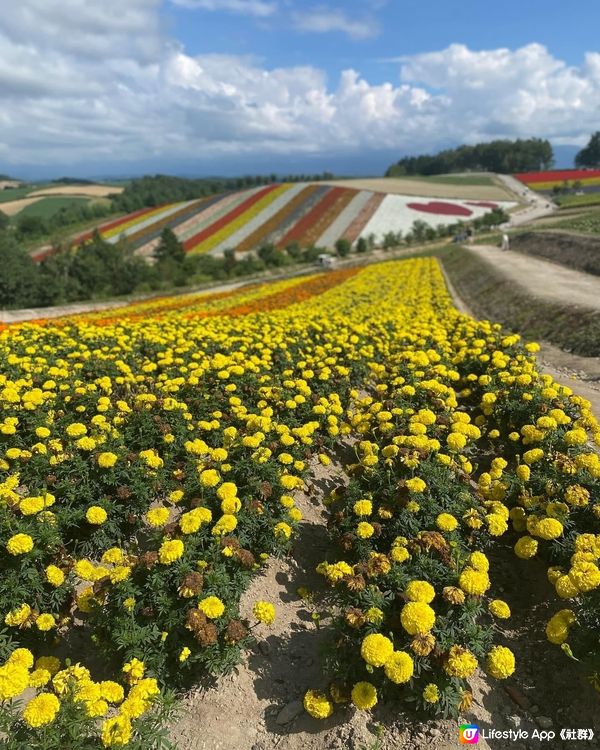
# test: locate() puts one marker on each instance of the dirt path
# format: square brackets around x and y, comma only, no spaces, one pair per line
[544,279]
[537,205]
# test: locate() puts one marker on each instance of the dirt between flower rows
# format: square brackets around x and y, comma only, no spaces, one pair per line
[259,707]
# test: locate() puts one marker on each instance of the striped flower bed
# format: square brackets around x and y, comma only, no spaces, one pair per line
[343,220]
[557,177]
[215,212]
[200,241]
[278,201]
[303,227]
[313,233]
[355,230]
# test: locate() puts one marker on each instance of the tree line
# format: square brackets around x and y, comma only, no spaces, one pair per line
[503,156]
[100,269]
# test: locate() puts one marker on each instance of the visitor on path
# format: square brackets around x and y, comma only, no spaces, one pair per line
[505,242]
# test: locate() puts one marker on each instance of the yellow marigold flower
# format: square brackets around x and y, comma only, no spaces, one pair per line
[96,515]
[456,441]
[363,508]
[19,544]
[212,607]
[54,575]
[500,662]
[364,696]
[113,556]
[417,618]
[533,456]
[76,430]
[376,649]
[209,478]
[264,612]
[419,591]
[185,654]
[460,662]
[548,528]
[499,609]
[399,667]
[474,582]
[364,530]
[374,615]
[45,622]
[575,437]
[416,485]
[107,460]
[479,561]
[170,551]
[523,472]
[39,677]
[431,693]
[585,576]
[111,691]
[526,547]
[399,554]
[282,530]
[317,704]
[21,656]
[446,522]
[158,517]
[14,678]
[116,732]
[18,616]
[41,710]
[31,505]
[134,670]
[49,663]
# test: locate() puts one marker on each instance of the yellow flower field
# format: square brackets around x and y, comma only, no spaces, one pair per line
[148,463]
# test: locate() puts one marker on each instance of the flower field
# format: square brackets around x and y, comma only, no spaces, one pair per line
[151,459]
[280,214]
[589,178]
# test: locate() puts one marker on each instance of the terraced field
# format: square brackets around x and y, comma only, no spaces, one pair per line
[309,214]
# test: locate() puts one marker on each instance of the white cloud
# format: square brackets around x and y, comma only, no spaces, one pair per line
[323,20]
[104,83]
[259,8]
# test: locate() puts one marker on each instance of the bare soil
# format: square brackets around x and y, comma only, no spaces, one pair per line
[91,191]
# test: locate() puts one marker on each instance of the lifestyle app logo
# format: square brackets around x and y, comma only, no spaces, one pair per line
[468,734]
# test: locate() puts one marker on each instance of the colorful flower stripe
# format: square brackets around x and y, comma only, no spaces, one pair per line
[213,213]
[297,232]
[540,186]
[355,229]
[104,228]
[344,219]
[194,243]
[221,238]
[278,223]
[143,235]
[261,218]
[558,176]
[330,207]
[145,222]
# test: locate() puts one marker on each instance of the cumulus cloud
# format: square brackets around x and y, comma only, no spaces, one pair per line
[259,8]
[104,82]
[322,20]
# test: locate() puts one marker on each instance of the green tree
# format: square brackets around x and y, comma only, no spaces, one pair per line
[362,245]
[170,247]
[4,221]
[19,276]
[343,247]
[590,155]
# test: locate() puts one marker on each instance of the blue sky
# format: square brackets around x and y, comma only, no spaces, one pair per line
[229,86]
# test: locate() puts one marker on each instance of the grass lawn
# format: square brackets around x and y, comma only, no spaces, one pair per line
[587,223]
[47,207]
[573,201]
[456,179]
[7,196]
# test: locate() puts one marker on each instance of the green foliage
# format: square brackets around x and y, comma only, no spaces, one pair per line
[343,247]
[502,156]
[590,155]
